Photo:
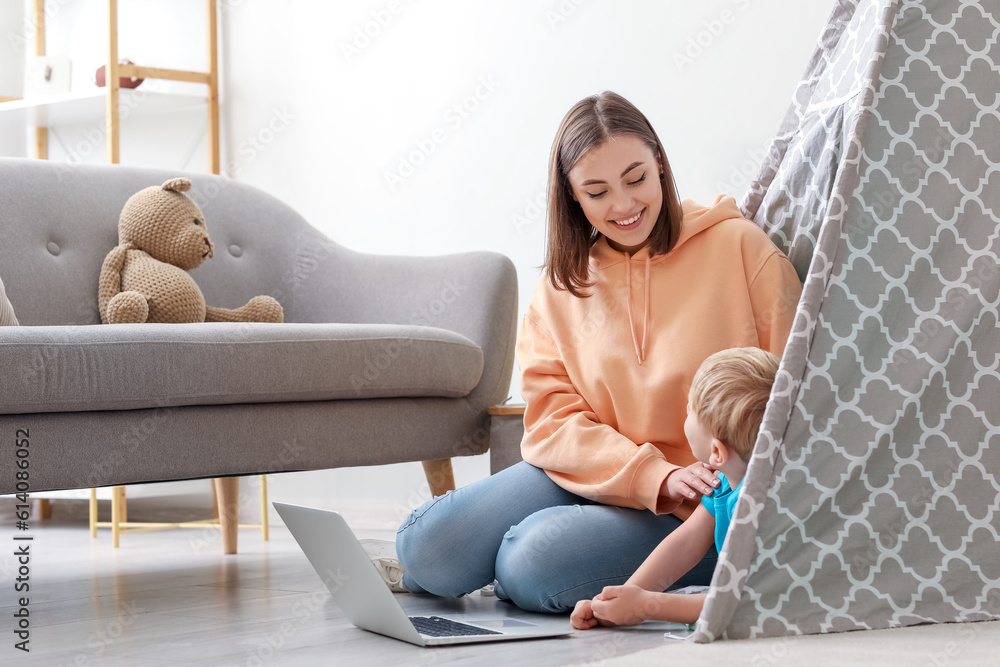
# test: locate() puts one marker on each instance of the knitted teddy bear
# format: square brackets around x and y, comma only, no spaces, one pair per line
[162,235]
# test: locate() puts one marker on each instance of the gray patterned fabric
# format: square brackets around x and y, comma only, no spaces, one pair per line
[7,317]
[873,498]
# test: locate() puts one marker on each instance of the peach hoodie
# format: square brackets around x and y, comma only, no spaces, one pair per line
[606,377]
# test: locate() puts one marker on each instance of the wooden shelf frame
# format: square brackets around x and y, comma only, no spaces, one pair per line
[114,71]
[120,524]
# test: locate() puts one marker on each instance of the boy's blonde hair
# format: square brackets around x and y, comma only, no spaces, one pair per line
[729,393]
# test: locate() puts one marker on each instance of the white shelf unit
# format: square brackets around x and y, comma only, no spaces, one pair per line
[89,107]
[49,111]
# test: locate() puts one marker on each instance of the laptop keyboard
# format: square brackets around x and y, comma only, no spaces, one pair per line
[435,626]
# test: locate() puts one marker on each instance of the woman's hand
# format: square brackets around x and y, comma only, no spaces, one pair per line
[698,479]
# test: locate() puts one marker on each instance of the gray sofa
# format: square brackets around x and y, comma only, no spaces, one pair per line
[381,359]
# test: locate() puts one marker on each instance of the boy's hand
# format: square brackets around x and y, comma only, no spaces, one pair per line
[698,479]
[619,605]
[582,617]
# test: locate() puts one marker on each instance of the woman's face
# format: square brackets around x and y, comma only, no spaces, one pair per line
[617,184]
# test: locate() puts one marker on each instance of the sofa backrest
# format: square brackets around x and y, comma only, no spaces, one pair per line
[58,222]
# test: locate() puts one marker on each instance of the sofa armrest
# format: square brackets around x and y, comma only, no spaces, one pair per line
[473,294]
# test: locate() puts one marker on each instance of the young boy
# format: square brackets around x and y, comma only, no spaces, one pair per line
[725,407]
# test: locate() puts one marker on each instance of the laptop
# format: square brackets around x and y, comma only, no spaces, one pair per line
[350,576]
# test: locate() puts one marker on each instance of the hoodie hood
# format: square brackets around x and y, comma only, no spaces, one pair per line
[697,218]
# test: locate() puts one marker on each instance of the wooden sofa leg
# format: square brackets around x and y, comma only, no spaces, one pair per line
[440,476]
[227,491]
[117,493]
[93,512]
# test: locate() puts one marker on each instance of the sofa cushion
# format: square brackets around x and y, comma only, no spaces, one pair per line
[7,318]
[131,366]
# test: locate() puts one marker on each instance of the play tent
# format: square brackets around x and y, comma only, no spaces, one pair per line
[873,498]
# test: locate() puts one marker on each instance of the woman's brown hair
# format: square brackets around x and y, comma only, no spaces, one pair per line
[590,123]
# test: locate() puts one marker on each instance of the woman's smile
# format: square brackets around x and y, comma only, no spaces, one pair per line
[630,223]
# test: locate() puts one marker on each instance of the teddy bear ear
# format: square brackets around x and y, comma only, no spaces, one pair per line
[177,184]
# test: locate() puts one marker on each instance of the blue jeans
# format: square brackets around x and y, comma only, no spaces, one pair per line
[546,548]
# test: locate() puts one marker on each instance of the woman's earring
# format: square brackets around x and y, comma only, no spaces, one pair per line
[661,175]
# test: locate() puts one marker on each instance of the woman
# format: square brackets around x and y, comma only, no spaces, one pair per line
[639,290]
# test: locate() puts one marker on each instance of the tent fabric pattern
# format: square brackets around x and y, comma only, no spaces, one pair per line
[873,497]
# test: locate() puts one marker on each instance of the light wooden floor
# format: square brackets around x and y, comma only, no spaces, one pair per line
[172,598]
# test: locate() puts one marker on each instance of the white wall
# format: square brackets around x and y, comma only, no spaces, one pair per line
[15,33]
[321,100]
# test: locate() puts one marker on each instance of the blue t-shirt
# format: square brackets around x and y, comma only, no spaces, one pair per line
[721,505]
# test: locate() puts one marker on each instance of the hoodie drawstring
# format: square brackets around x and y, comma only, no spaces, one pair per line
[640,351]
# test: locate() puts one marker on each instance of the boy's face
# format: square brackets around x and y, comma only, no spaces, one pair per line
[699,439]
